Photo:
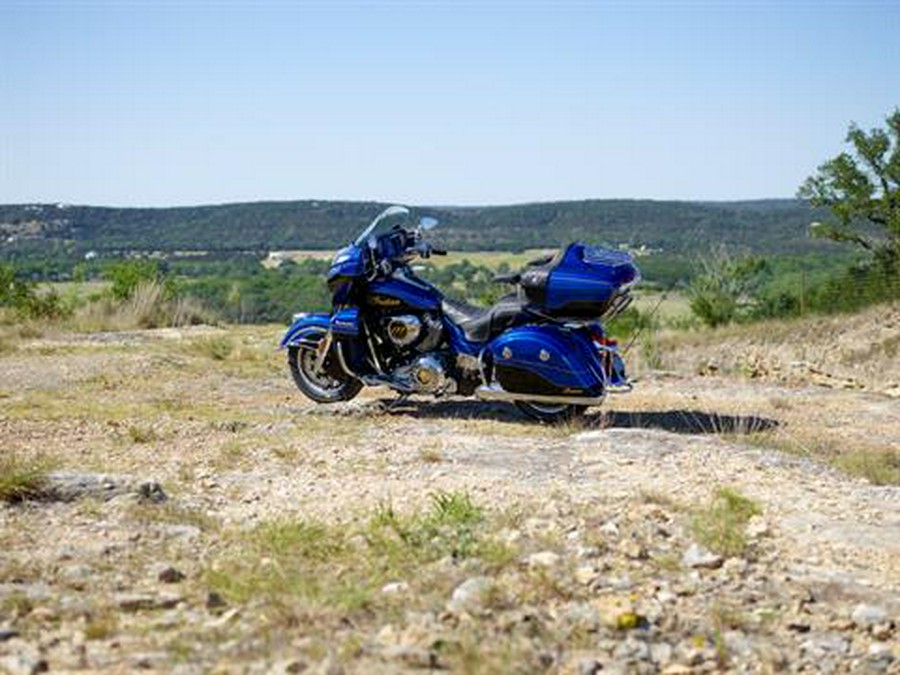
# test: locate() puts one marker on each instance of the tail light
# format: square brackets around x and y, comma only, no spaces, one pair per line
[605,346]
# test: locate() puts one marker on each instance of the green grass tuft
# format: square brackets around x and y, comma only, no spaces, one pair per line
[22,478]
[720,526]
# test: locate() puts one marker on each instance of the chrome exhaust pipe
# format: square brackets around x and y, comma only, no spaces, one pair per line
[496,393]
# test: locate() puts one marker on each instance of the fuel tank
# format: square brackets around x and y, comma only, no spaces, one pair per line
[402,292]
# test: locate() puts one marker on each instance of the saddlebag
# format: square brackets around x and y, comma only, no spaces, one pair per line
[546,360]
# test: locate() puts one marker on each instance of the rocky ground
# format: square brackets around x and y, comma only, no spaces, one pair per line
[198,515]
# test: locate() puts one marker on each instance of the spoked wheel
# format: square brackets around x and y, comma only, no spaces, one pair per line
[551,413]
[328,384]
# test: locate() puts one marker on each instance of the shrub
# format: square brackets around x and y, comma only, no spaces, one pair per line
[720,526]
[21,477]
[724,288]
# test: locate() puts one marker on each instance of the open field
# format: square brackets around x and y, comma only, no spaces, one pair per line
[713,519]
[491,259]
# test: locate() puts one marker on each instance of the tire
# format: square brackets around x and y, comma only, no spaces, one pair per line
[556,413]
[330,385]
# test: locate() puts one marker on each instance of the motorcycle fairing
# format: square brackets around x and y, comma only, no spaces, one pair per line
[346,321]
[348,262]
[410,294]
[547,359]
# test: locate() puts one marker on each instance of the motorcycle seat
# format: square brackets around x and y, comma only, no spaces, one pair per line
[480,324]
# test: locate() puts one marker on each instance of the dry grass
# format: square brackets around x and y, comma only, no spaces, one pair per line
[878,464]
[147,308]
[299,566]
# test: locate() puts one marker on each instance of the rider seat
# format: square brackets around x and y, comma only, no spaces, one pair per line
[480,324]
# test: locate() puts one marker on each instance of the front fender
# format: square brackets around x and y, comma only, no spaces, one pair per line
[302,324]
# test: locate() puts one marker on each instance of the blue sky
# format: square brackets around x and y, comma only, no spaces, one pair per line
[164,103]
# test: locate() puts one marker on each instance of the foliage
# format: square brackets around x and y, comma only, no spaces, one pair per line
[299,565]
[127,276]
[861,187]
[21,477]
[24,299]
[673,227]
[720,526]
[724,288]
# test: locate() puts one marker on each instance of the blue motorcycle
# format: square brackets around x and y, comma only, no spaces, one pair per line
[542,346]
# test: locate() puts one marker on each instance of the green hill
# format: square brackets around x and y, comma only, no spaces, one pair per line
[765,226]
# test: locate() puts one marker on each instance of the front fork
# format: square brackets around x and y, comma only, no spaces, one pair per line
[322,349]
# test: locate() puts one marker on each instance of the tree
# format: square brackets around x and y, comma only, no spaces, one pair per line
[862,189]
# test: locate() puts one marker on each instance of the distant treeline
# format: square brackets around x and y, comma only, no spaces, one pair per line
[765,226]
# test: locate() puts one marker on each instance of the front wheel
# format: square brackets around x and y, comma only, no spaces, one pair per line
[330,384]
[554,413]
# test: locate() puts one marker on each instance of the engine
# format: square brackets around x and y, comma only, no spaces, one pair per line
[405,330]
[426,375]
[411,358]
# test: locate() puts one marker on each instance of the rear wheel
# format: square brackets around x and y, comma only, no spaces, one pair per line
[328,384]
[551,413]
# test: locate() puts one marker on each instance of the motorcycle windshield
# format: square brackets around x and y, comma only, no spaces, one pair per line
[385,221]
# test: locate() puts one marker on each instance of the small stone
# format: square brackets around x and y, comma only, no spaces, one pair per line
[676,669]
[841,624]
[414,657]
[698,557]
[665,597]
[881,651]
[798,626]
[215,601]
[661,652]
[585,574]
[632,649]
[589,667]
[137,602]
[633,550]
[582,617]
[868,615]
[152,491]
[609,529]
[170,575]
[288,666]
[8,634]
[43,614]
[470,594]
[395,588]
[823,643]
[735,567]
[23,664]
[757,527]
[587,552]
[882,631]
[543,559]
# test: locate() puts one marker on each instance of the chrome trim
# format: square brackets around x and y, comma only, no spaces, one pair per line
[342,362]
[372,352]
[495,393]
